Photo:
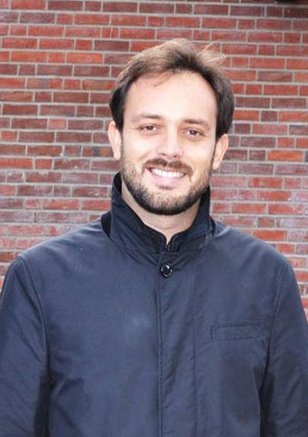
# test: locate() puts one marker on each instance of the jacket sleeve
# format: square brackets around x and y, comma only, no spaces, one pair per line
[23,357]
[285,388]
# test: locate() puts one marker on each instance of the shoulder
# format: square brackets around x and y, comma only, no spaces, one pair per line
[247,249]
[64,247]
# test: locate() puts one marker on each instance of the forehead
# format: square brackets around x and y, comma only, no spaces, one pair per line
[175,95]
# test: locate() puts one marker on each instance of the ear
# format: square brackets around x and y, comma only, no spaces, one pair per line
[115,140]
[220,150]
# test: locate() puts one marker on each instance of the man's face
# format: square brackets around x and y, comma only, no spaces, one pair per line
[167,148]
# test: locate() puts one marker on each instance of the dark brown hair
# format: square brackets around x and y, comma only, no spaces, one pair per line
[176,56]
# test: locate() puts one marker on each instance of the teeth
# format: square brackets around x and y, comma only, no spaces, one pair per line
[166,174]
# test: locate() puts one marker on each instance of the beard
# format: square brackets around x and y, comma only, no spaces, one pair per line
[164,201]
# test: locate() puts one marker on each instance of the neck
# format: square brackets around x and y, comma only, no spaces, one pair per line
[168,225]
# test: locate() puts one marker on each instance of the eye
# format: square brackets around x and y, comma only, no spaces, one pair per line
[194,133]
[148,128]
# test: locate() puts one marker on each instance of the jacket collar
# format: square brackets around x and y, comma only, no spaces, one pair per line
[127,229]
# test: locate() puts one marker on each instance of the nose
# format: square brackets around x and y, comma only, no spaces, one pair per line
[170,145]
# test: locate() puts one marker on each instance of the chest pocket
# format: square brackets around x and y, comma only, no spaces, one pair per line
[242,331]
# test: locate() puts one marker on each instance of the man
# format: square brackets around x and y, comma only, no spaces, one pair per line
[156,320]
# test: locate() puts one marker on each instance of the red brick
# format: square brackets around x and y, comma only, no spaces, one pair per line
[91,70]
[286,209]
[85,111]
[218,23]
[283,155]
[301,129]
[71,97]
[7,190]
[73,137]
[282,90]
[166,34]
[17,96]
[54,70]
[269,129]
[82,32]
[84,44]
[29,123]
[9,136]
[301,143]
[266,37]
[270,235]
[85,125]
[72,84]
[18,43]
[297,64]
[274,24]
[9,109]
[209,9]
[246,11]
[11,82]
[92,191]
[46,31]
[4,56]
[85,58]
[43,164]
[253,102]
[58,110]
[265,182]
[92,19]
[93,6]
[183,8]
[67,5]
[44,150]
[62,204]
[36,17]
[111,46]
[156,21]
[35,190]
[252,168]
[128,20]
[292,169]
[274,195]
[9,69]
[64,18]
[266,50]
[56,57]
[266,63]
[28,4]
[36,137]
[43,96]
[8,17]
[118,6]
[56,44]
[16,163]
[156,8]
[249,208]
[275,76]
[269,116]
[44,83]
[29,56]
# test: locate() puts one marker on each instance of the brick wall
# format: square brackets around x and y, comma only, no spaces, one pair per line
[57,64]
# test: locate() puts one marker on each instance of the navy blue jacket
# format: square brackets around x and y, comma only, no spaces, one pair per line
[109,332]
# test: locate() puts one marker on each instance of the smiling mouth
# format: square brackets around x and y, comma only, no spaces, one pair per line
[167,173]
[169,170]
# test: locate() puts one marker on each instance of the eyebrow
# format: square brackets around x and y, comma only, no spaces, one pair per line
[197,121]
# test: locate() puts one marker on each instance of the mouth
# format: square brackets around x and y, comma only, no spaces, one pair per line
[165,169]
[169,174]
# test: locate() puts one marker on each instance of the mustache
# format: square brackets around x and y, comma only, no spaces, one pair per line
[168,165]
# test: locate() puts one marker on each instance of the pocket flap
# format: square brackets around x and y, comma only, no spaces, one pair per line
[239,331]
